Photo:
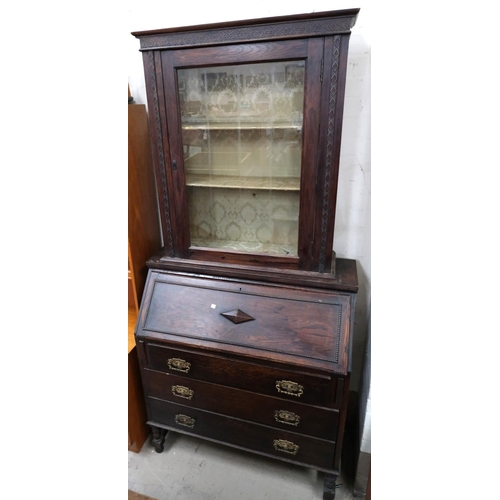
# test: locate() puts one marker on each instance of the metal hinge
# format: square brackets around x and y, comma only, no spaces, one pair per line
[321,71]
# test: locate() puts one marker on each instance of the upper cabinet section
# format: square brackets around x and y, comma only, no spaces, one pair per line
[246,122]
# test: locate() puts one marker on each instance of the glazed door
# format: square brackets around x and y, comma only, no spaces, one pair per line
[243,125]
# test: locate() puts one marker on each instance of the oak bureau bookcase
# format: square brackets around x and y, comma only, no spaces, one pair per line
[245,329]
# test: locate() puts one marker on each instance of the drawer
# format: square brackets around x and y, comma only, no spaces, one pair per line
[250,436]
[267,410]
[300,387]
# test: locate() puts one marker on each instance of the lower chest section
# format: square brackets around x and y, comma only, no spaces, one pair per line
[274,384]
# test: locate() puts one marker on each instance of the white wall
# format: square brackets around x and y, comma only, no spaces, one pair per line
[352,230]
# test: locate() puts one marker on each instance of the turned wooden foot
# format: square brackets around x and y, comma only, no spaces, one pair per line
[158,438]
[329,487]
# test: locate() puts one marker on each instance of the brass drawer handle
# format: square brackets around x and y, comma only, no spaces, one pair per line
[286,446]
[286,417]
[182,392]
[288,387]
[185,420]
[178,365]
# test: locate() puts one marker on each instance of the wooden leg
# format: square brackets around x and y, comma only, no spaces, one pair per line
[158,438]
[329,487]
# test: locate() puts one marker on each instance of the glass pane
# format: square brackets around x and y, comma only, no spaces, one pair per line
[242,140]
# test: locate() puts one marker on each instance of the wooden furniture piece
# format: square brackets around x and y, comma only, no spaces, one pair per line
[143,240]
[245,329]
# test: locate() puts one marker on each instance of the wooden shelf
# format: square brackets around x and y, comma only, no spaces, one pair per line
[254,247]
[236,182]
[247,125]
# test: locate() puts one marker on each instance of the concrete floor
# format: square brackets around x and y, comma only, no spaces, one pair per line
[194,469]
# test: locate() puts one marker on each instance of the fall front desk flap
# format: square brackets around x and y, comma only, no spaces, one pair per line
[292,326]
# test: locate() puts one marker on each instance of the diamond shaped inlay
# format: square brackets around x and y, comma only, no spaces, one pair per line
[237,316]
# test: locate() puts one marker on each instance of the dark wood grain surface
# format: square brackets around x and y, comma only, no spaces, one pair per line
[344,280]
[310,159]
[239,54]
[302,418]
[271,28]
[317,389]
[352,13]
[299,327]
[312,451]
